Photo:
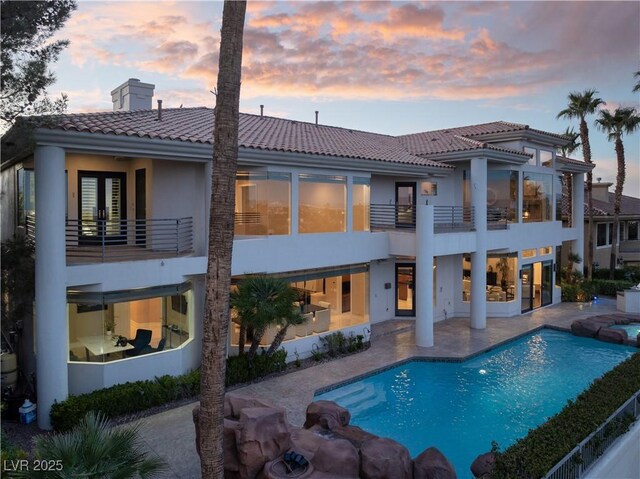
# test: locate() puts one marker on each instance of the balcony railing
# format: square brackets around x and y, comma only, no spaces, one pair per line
[499,218]
[124,240]
[447,219]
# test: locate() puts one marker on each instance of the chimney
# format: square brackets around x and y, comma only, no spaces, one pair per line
[261,110]
[600,191]
[316,117]
[132,95]
[159,110]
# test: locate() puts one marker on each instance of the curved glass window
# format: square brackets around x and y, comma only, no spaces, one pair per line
[537,197]
[361,194]
[322,204]
[106,327]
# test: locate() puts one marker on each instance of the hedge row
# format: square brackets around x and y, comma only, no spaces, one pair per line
[608,287]
[138,396]
[535,454]
[629,273]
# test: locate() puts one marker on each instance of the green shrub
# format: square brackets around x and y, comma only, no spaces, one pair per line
[9,452]
[629,273]
[577,292]
[241,370]
[535,454]
[124,399]
[608,287]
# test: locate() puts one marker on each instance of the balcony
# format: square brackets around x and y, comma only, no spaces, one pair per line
[103,241]
[447,219]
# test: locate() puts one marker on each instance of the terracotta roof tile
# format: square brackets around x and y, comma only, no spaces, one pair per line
[267,133]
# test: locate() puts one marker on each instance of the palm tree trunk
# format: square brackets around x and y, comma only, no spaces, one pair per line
[620,177]
[221,224]
[255,342]
[277,341]
[242,338]
[586,150]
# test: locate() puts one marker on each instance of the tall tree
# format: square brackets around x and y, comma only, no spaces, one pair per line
[580,105]
[623,120]
[26,53]
[221,223]
[573,145]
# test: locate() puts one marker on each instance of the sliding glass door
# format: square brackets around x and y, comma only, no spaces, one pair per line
[102,207]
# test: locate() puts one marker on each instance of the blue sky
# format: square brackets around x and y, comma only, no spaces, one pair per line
[387,67]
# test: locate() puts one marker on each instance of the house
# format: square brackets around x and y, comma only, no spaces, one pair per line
[461,222]
[628,239]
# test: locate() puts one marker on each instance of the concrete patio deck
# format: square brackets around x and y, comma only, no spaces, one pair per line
[172,436]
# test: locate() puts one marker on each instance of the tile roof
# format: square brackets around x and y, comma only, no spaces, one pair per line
[629,206]
[265,133]
[445,140]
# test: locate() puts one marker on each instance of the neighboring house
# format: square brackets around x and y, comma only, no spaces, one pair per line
[463,222]
[628,239]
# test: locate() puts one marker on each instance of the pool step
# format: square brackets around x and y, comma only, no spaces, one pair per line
[358,397]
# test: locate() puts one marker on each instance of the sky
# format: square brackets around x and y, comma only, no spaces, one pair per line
[386,67]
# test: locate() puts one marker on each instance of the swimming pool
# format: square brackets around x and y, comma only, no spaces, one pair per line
[632,329]
[461,407]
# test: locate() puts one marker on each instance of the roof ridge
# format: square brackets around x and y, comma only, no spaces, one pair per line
[451,129]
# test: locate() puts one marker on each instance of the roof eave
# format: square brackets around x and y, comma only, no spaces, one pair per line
[489,154]
[530,135]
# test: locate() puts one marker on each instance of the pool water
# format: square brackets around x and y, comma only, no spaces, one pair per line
[461,407]
[632,329]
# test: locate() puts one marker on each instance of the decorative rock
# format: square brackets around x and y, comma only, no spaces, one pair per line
[618,336]
[326,413]
[234,404]
[230,447]
[337,457]
[385,458]
[585,328]
[354,434]
[483,466]
[432,464]
[263,435]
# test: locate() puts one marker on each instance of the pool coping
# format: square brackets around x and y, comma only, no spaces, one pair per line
[431,359]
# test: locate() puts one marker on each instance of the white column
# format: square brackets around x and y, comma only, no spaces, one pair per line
[294,202]
[479,257]
[52,338]
[424,275]
[577,220]
[349,208]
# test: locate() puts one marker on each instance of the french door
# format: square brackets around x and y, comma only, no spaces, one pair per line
[405,289]
[102,207]
[536,285]
[405,205]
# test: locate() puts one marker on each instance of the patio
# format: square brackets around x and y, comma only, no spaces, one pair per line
[171,434]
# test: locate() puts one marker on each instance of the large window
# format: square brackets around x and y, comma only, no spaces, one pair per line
[604,234]
[361,204]
[501,278]
[329,299]
[536,197]
[322,204]
[26,195]
[534,155]
[106,327]
[502,195]
[546,158]
[263,203]
[632,230]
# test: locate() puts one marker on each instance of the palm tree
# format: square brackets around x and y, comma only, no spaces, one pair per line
[580,105]
[573,144]
[263,301]
[637,87]
[623,120]
[221,218]
[95,449]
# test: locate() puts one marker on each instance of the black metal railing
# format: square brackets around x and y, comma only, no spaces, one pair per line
[448,219]
[390,217]
[403,217]
[499,218]
[92,241]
